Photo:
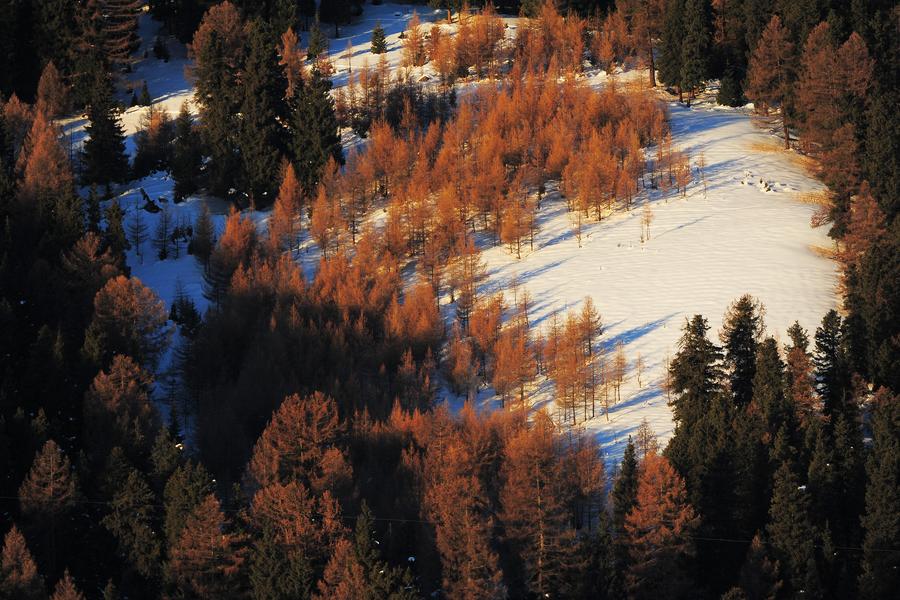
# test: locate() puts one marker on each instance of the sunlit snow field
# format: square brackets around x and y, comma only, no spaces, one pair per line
[749,232]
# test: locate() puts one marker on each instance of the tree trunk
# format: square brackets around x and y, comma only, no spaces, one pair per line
[787,135]
[652,61]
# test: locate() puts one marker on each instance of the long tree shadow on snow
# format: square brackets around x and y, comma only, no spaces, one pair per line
[630,335]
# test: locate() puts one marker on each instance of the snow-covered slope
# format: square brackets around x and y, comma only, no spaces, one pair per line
[749,233]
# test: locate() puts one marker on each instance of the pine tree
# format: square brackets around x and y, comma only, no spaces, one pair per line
[658,533]
[882,162]
[131,521]
[165,457]
[695,372]
[770,74]
[881,570]
[768,387]
[379,44]
[114,237]
[318,43]
[203,241]
[759,576]
[829,360]
[695,45]
[670,56]
[207,560]
[218,52]
[262,110]
[291,61]
[118,410]
[19,577]
[186,155]
[791,533]
[382,580]
[624,492]
[315,138]
[185,490]
[104,157]
[275,572]
[742,327]
[344,578]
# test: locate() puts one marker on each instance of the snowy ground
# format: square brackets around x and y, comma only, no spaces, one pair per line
[749,233]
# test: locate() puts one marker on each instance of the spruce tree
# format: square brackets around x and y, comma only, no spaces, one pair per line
[165,457]
[262,110]
[185,490]
[742,328]
[882,160]
[768,388]
[880,576]
[104,151]
[186,155]
[132,522]
[624,492]
[315,138]
[114,237]
[276,572]
[695,372]
[829,360]
[670,52]
[695,45]
[379,45]
[318,43]
[204,239]
[791,533]
[218,50]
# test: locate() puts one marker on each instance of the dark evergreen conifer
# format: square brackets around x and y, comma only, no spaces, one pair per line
[830,362]
[276,572]
[262,111]
[379,45]
[318,43]
[670,55]
[880,576]
[741,330]
[186,155]
[132,522]
[696,45]
[185,490]
[624,492]
[315,132]
[791,533]
[104,157]
[768,388]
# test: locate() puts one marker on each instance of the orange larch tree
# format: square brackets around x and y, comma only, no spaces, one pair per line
[658,533]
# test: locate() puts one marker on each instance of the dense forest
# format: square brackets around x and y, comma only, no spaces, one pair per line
[318,464]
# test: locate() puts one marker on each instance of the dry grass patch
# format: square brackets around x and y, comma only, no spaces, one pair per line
[816,197]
